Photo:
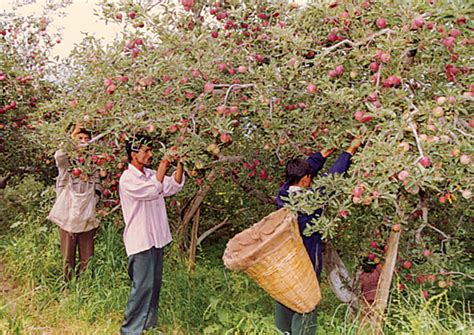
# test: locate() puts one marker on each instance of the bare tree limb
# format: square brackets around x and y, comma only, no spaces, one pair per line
[447,237]
[413,128]
[379,75]
[447,273]
[226,159]
[456,122]
[212,230]
[4,180]
[424,209]
[234,86]
[113,210]
[370,38]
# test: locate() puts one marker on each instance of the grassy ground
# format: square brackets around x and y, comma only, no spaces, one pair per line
[211,300]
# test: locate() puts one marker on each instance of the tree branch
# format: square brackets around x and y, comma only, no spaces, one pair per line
[232,87]
[456,122]
[368,39]
[4,180]
[212,230]
[413,128]
[252,191]
[229,159]
[424,209]
[458,273]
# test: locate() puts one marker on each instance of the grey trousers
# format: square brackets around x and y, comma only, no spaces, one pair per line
[290,322]
[145,270]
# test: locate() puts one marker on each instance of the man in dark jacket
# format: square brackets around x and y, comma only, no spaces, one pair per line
[299,176]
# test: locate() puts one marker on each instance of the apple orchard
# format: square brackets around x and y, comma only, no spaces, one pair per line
[239,87]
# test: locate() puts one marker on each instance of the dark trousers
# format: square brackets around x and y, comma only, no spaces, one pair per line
[145,270]
[290,322]
[70,242]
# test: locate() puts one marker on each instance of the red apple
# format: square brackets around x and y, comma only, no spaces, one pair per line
[381,23]
[359,115]
[374,66]
[426,253]
[358,191]
[403,175]
[173,128]
[311,88]
[344,213]
[417,22]
[425,161]
[76,172]
[242,69]
[407,265]
[339,70]
[225,138]
[425,294]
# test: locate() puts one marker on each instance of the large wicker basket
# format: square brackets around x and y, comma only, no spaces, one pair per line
[272,253]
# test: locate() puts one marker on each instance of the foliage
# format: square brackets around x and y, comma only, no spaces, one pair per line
[25,44]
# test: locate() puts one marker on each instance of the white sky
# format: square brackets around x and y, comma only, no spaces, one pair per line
[79,18]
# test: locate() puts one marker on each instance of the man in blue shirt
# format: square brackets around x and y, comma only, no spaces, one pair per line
[299,175]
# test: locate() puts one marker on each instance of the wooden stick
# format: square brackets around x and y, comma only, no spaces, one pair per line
[385,281]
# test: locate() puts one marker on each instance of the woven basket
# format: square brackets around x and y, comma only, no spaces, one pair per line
[272,253]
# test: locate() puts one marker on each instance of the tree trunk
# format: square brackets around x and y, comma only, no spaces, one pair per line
[194,239]
[190,211]
[343,286]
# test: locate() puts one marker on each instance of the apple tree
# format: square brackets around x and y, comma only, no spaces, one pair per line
[239,87]
[25,44]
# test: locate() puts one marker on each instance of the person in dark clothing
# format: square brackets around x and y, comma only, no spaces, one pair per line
[369,279]
[299,176]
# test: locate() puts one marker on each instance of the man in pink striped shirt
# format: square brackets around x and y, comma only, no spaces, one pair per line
[142,191]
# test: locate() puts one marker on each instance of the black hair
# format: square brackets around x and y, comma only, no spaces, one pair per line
[296,169]
[85,131]
[71,127]
[134,143]
[368,266]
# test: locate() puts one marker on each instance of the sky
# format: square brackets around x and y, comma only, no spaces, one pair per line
[79,18]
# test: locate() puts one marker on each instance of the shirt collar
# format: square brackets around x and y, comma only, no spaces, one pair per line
[294,188]
[135,171]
